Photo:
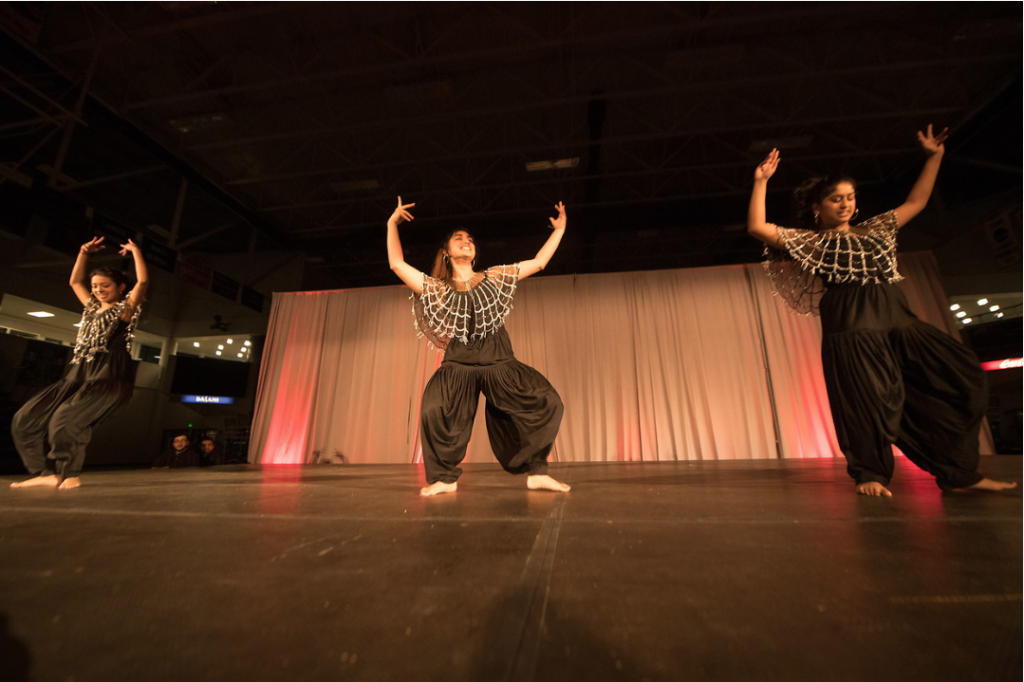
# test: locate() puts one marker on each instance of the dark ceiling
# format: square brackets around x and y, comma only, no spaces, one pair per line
[293,126]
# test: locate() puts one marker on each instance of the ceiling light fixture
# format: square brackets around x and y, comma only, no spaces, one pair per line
[41,313]
[534,166]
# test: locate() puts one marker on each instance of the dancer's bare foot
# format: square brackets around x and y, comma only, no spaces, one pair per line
[989,484]
[545,482]
[50,481]
[69,483]
[438,488]
[873,488]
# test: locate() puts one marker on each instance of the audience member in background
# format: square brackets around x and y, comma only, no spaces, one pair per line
[180,454]
[210,453]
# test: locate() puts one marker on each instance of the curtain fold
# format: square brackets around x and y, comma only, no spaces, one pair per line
[669,365]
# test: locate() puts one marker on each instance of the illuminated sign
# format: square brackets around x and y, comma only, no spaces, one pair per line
[208,399]
[1009,363]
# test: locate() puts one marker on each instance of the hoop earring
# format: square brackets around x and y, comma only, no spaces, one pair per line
[444,257]
[815,218]
[473,264]
[855,212]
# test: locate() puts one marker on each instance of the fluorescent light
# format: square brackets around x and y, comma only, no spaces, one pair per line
[41,313]
[533,166]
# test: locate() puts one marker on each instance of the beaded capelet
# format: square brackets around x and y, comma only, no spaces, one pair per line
[811,261]
[464,311]
[98,326]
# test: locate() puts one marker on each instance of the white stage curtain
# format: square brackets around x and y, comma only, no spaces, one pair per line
[669,365]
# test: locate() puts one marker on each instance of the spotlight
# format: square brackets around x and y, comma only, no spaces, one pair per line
[982,301]
[195,344]
[955,306]
[967,320]
[993,308]
[961,314]
[999,314]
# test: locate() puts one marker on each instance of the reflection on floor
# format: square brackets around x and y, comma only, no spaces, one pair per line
[734,570]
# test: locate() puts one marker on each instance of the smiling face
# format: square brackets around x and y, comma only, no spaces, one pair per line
[462,247]
[106,290]
[837,206]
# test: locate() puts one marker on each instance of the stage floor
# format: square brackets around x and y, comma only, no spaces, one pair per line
[733,570]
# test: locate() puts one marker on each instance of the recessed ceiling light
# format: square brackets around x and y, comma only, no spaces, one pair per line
[993,308]
[961,314]
[967,320]
[955,306]
[982,301]
[41,313]
[195,344]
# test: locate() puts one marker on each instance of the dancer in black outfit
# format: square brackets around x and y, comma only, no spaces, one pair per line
[99,379]
[891,378]
[463,313]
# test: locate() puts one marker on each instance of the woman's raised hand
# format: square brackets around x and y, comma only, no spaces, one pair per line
[130,247]
[559,222]
[93,245]
[933,144]
[401,213]
[766,168]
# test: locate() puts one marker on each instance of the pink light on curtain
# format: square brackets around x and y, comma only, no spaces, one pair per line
[1009,363]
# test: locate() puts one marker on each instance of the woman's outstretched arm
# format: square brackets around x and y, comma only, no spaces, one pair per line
[934,146]
[540,261]
[80,272]
[138,293]
[407,273]
[757,224]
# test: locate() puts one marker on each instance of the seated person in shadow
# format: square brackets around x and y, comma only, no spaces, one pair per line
[180,454]
[211,452]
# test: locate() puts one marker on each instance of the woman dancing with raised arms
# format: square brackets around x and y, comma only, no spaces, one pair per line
[99,379]
[462,312]
[891,378]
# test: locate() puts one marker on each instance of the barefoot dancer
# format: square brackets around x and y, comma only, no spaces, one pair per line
[891,378]
[99,378]
[463,312]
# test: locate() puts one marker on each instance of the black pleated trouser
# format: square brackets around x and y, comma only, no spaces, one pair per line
[64,415]
[523,413]
[893,379]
